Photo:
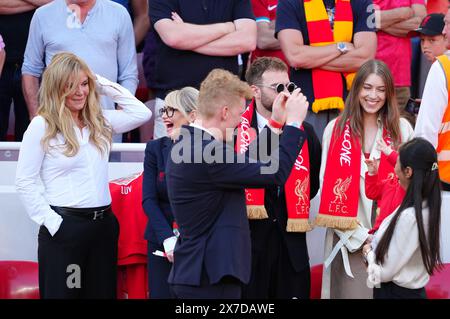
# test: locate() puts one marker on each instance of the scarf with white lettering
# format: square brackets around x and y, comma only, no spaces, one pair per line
[297,187]
[340,191]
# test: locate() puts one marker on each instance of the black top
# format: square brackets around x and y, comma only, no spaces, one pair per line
[177,68]
[291,15]
[14,30]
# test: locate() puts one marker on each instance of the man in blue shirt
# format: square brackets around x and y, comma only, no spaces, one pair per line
[98,31]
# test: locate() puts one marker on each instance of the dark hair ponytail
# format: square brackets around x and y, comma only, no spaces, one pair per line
[420,155]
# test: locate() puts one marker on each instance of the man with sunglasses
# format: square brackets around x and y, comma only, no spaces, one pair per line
[280,261]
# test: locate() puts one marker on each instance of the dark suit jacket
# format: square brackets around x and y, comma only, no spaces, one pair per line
[208,201]
[275,203]
[154,192]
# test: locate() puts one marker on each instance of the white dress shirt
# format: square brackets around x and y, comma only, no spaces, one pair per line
[79,181]
[433,106]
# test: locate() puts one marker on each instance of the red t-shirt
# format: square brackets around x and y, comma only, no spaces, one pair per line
[394,51]
[126,194]
[388,193]
[265,11]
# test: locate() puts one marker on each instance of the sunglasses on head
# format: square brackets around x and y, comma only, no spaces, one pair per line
[280,87]
[168,110]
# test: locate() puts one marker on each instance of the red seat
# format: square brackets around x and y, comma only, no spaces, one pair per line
[439,285]
[19,280]
[316,281]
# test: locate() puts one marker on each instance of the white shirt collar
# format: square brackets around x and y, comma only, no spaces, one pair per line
[262,121]
[201,128]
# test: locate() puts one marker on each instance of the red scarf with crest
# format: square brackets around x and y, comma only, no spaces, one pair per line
[297,187]
[340,191]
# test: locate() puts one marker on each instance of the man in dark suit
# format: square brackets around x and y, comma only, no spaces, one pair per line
[280,262]
[206,181]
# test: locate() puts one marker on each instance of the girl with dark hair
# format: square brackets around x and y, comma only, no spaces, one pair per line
[405,250]
[370,115]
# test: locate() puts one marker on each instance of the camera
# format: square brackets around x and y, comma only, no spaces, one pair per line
[412,107]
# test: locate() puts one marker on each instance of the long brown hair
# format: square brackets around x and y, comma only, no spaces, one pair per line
[353,111]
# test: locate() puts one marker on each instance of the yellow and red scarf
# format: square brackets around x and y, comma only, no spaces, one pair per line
[327,85]
[340,192]
[297,187]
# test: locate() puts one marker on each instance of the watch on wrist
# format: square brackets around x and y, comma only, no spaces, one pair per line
[342,47]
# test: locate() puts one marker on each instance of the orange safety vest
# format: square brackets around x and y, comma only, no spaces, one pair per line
[443,148]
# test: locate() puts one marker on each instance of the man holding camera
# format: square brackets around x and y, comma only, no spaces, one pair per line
[280,261]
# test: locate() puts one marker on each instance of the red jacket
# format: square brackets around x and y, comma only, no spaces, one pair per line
[388,193]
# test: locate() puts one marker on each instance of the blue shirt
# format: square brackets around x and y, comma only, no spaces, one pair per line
[125,3]
[291,15]
[105,41]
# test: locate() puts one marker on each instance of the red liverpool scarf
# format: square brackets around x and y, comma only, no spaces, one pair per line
[297,187]
[254,198]
[340,191]
[327,85]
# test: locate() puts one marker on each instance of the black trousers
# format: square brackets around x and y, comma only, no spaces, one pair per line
[273,276]
[390,290]
[158,272]
[11,91]
[227,288]
[80,260]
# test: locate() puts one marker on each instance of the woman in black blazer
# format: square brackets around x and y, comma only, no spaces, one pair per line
[179,109]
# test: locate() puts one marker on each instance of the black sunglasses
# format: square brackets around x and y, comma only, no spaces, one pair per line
[280,87]
[168,110]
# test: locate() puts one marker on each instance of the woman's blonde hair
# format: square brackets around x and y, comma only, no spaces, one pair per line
[60,80]
[184,100]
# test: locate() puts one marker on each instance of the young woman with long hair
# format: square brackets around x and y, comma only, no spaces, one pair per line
[405,250]
[370,114]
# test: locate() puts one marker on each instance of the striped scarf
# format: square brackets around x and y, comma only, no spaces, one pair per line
[327,85]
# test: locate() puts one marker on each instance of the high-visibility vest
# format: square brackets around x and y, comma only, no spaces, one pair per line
[443,147]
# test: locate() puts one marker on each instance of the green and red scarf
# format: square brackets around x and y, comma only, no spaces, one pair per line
[297,187]
[327,85]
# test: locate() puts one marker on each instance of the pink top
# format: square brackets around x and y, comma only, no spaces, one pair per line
[2,44]
[395,51]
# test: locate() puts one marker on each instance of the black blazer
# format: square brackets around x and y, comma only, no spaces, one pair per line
[208,202]
[155,200]
[275,204]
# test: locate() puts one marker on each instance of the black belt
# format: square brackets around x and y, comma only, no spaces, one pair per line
[88,213]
